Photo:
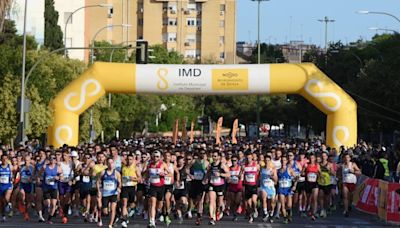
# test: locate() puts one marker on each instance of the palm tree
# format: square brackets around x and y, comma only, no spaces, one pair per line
[5,6]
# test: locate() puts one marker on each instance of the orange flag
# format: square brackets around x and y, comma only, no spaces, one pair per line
[219,127]
[234,131]
[192,132]
[175,132]
[184,131]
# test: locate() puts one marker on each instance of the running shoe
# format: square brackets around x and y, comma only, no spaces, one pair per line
[64,220]
[167,220]
[251,219]
[180,220]
[219,215]
[161,218]
[189,214]
[100,223]
[255,214]
[26,216]
[212,222]
[285,221]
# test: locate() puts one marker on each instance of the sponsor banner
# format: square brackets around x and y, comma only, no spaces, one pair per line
[192,132]
[393,203]
[203,79]
[219,127]
[360,186]
[368,197]
[383,190]
[234,131]
[175,131]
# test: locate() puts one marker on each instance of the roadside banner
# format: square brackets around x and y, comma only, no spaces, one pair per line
[393,204]
[361,183]
[368,197]
[192,132]
[175,132]
[219,127]
[382,200]
[234,131]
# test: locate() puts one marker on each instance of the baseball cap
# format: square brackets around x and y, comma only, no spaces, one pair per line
[74,153]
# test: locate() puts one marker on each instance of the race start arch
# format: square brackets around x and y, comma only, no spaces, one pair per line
[304,79]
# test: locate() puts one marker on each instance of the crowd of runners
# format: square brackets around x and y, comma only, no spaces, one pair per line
[153,179]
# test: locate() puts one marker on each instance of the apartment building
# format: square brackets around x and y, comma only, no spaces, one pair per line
[198,29]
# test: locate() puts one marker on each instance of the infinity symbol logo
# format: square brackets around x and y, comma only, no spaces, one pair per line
[320,95]
[58,137]
[82,95]
[162,84]
[336,140]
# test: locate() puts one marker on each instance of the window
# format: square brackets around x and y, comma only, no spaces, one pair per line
[191,6]
[222,39]
[140,7]
[191,38]
[172,21]
[191,21]
[222,7]
[222,24]
[198,53]
[171,37]
[222,55]
[140,22]
[190,53]
[66,16]
[172,6]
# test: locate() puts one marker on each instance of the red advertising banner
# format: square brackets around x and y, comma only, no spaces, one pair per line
[393,204]
[369,196]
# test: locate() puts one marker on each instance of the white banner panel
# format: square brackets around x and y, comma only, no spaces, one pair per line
[203,79]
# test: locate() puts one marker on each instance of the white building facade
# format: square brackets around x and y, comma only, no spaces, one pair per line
[75,32]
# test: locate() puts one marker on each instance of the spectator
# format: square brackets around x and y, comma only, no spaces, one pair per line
[379,170]
[384,160]
[367,166]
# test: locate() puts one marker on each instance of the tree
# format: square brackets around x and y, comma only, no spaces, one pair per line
[53,36]
[5,6]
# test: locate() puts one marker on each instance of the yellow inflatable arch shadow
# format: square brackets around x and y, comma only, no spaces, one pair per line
[304,79]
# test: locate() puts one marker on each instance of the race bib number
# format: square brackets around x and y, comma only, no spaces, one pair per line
[234,180]
[50,181]
[5,179]
[25,179]
[109,185]
[285,183]
[86,179]
[126,181]
[312,177]
[302,179]
[155,179]
[77,178]
[215,180]
[250,178]
[198,175]
[268,183]
[350,178]
[167,180]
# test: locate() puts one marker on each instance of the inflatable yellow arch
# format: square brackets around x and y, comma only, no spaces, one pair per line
[304,79]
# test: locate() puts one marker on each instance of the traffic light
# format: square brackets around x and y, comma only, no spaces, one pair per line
[142,54]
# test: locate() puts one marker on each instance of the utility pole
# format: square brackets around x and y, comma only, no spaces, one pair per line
[259,61]
[326,20]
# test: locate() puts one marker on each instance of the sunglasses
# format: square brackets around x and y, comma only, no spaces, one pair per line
[157,156]
[234,160]
[215,156]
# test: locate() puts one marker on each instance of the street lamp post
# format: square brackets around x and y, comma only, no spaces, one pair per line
[383,29]
[22,113]
[326,20]
[91,62]
[259,59]
[98,32]
[70,17]
[381,13]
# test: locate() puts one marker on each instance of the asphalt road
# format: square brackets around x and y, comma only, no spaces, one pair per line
[356,219]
